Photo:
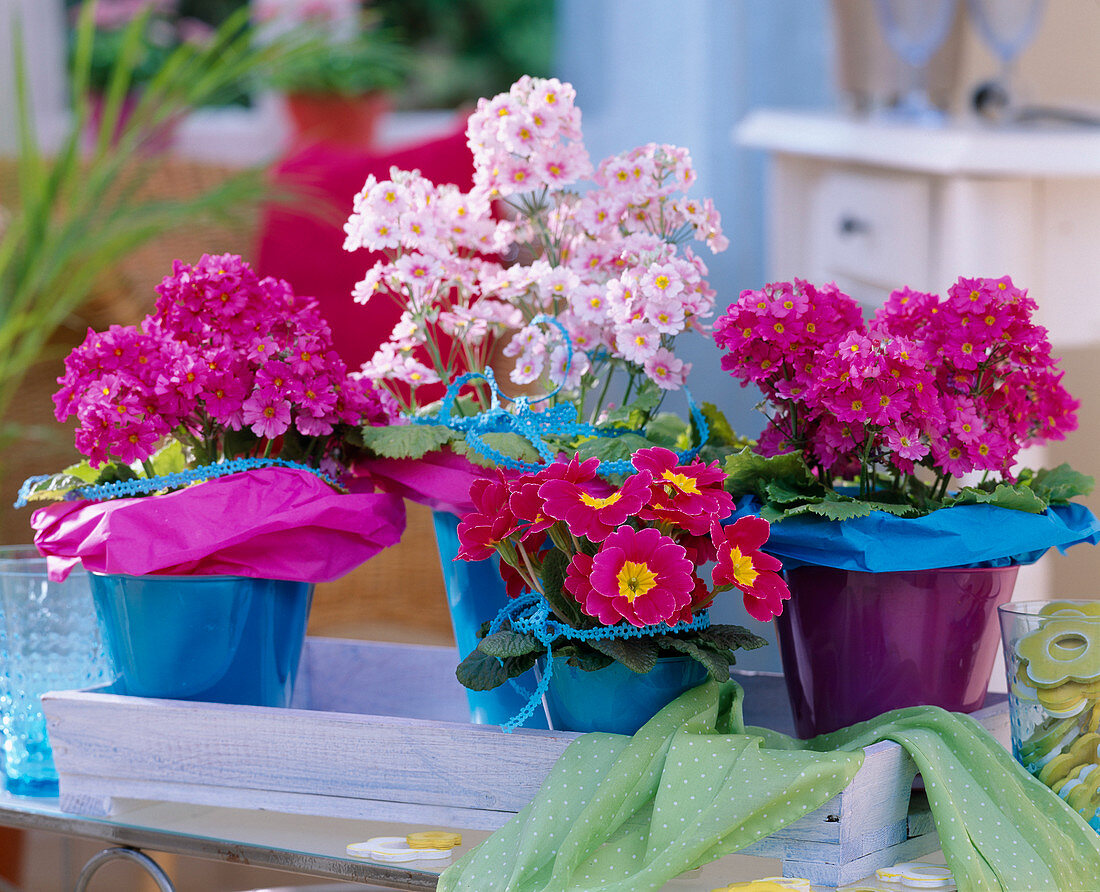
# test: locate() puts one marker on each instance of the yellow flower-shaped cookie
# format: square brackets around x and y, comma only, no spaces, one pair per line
[1060,650]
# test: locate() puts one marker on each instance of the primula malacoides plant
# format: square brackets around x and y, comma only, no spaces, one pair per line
[608,259]
[606,555]
[932,388]
[229,364]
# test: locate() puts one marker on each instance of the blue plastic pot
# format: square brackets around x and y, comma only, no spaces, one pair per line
[475,594]
[614,698]
[218,639]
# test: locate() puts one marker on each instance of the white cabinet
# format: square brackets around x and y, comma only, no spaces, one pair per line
[874,205]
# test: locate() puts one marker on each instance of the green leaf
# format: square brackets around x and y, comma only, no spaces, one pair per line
[612,448]
[504,442]
[780,492]
[561,602]
[509,644]
[667,430]
[482,672]
[169,459]
[1061,484]
[749,472]
[635,413]
[721,431]
[897,509]
[717,664]
[834,509]
[406,440]
[637,654]
[581,656]
[731,637]
[1017,498]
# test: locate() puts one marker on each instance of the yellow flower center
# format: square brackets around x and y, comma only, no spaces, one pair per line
[743,570]
[662,282]
[593,502]
[635,580]
[682,482]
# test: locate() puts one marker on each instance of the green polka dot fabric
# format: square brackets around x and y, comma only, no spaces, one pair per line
[622,814]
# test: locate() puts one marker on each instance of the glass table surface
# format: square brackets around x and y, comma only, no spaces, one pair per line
[301,844]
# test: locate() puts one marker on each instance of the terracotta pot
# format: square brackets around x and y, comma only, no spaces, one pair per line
[348,122]
[855,645]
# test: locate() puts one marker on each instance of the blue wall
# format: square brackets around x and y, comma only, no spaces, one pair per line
[685,72]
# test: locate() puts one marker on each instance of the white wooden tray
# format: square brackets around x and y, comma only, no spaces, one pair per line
[379,731]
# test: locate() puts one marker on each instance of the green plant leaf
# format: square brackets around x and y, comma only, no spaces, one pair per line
[1016,498]
[509,644]
[834,509]
[1061,484]
[612,448]
[780,492]
[504,442]
[897,509]
[637,654]
[581,656]
[482,672]
[721,431]
[717,664]
[406,440]
[561,602]
[748,473]
[667,430]
[731,637]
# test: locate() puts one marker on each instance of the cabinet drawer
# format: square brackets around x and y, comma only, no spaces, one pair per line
[871,229]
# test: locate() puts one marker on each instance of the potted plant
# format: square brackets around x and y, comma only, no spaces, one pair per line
[608,597]
[210,502]
[581,295]
[888,469]
[337,91]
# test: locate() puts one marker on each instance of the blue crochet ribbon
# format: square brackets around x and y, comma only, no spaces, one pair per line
[144,485]
[534,426]
[530,614]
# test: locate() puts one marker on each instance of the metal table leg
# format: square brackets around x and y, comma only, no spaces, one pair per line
[124,854]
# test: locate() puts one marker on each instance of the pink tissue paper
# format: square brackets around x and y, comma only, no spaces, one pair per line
[270,523]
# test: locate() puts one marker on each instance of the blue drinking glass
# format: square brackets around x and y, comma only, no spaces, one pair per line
[51,642]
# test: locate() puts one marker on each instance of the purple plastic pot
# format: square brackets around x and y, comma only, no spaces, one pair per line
[855,645]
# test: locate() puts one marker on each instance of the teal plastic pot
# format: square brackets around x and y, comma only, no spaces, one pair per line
[475,595]
[218,639]
[614,698]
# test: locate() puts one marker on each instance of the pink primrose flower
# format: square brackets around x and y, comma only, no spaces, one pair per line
[690,496]
[267,412]
[743,565]
[489,523]
[592,511]
[643,576]
[665,370]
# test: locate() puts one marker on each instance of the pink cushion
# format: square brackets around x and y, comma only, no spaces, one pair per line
[307,250]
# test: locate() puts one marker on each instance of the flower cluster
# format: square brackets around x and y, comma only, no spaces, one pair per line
[955,384]
[225,354]
[630,553]
[610,263]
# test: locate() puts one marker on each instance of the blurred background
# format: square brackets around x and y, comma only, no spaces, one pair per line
[877,143]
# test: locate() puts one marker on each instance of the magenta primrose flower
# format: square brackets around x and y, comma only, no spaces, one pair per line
[595,512]
[640,576]
[743,565]
[958,384]
[224,350]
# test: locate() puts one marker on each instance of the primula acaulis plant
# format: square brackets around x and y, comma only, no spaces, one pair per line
[595,557]
[228,365]
[933,393]
[476,274]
